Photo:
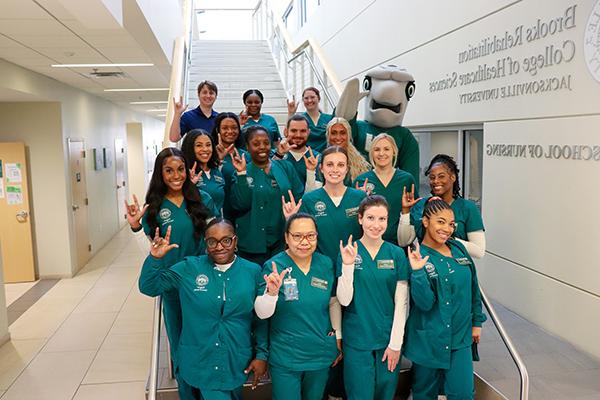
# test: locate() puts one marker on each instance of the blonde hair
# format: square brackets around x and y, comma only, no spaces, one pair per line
[356,162]
[390,139]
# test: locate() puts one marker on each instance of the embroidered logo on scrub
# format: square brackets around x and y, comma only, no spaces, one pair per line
[463,261]
[358,262]
[430,269]
[318,283]
[165,216]
[250,181]
[320,208]
[201,282]
[371,188]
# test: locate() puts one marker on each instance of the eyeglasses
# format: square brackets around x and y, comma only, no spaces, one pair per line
[298,237]
[226,242]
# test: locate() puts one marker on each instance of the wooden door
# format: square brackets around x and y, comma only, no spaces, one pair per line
[15,226]
[79,200]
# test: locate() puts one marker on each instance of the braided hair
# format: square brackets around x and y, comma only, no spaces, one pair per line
[451,165]
[434,205]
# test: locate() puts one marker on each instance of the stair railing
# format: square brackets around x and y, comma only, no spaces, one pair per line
[523,374]
[299,66]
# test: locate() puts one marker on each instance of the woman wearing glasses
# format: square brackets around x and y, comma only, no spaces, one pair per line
[217,293]
[298,295]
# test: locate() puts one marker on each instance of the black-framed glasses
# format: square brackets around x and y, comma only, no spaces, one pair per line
[226,242]
[298,237]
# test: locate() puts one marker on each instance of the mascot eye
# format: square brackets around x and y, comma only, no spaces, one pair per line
[410,90]
[367,83]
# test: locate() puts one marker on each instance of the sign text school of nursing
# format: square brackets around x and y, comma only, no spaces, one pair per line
[562,51]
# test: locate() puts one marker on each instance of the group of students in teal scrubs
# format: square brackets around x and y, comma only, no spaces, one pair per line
[308,278]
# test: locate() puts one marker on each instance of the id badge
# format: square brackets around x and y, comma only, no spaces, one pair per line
[290,289]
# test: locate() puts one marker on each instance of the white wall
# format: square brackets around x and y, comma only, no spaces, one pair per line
[81,115]
[542,242]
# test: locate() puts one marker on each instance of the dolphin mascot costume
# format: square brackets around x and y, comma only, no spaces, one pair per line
[388,89]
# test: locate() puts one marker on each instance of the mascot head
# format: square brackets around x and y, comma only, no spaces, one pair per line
[389,89]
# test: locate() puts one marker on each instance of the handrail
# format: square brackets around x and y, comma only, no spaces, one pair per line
[523,374]
[153,378]
[305,49]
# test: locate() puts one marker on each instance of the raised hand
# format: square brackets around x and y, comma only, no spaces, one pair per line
[222,151]
[259,367]
[283,147]
[408,199]
[364,187]
[290,208]
[161,246]
[349,251]
[311,161]
[238,161]
[243,117]
[292,106]
[274,280]
[134,213]
[392,357]
[195,177]
[178,106]
[415,259]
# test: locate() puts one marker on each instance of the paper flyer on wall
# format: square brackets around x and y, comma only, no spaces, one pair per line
[14,195]
[13,173]
[1,188]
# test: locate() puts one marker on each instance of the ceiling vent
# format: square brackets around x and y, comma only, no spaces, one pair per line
[106,74]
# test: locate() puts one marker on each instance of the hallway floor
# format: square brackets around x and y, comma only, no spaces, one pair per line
[89,337]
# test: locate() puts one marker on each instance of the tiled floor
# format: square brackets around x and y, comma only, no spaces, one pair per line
[89,338]
[15,290]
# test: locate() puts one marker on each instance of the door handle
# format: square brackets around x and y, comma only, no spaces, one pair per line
[75,207]
[22,216]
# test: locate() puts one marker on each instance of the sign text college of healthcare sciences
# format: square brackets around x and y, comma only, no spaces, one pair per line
[522,70]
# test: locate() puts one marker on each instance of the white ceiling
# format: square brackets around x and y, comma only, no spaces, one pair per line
[37,33]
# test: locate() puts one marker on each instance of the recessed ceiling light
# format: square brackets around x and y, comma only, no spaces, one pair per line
[149,102]
[137,90]
[101,65]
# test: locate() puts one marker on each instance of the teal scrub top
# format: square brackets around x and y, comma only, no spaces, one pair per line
[392,193]
[301,336]
[257,196]
[182,233]
[228,170]
[333,223]
[466,217]
[269,123]
[216,342]
[300,165]
[408,147]
[368,318]
[445,306]
[214,186]
[317,140]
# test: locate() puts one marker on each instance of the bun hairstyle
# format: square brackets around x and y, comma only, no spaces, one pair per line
[372,201]
[452,167]
[251,92]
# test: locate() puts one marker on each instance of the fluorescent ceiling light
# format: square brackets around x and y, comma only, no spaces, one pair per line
[137,90]
[161,115]
[157,109]
[149,102]
[102,65]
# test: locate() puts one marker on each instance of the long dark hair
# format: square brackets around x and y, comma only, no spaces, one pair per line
[239,142]
[452,167]
[157,191]
[189,151]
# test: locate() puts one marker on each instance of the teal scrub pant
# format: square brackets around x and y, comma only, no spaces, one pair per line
[298,385]
[367,377]
[235,394]
[457,381]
